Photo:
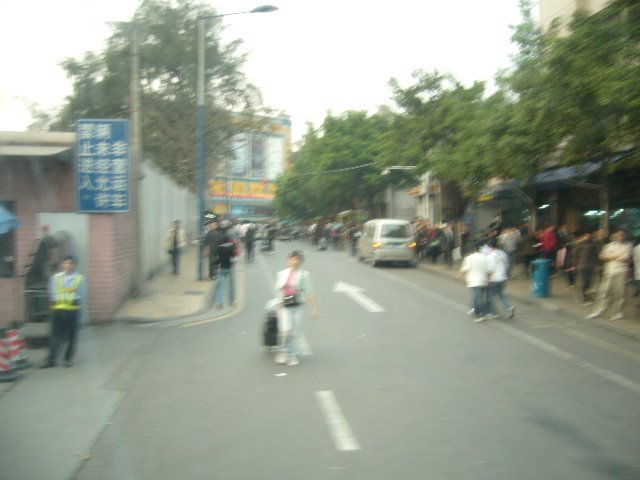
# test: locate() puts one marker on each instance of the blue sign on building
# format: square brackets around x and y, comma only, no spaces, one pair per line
[103,167]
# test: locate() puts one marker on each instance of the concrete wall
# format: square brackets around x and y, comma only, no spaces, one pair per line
[162,203]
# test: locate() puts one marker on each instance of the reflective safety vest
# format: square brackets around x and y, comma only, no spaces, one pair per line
[66,296]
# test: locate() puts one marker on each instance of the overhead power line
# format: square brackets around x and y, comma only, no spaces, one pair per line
[338,170]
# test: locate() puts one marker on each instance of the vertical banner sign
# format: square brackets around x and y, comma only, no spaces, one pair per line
[239,148]
[103,170]
[258,155]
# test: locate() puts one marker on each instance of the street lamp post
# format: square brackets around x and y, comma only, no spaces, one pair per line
[201,122]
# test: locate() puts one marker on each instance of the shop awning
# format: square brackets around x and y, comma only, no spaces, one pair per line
[563,175]
[8,221]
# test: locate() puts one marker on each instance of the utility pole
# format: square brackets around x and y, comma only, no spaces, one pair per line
[136,156]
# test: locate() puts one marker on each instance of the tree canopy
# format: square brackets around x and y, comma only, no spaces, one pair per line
[166,37]
[571,96]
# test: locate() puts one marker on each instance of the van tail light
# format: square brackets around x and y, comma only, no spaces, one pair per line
[377,245]
[411,245]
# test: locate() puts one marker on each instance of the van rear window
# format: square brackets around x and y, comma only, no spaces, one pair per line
[395,231]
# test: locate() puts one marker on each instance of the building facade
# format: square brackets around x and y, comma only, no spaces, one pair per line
[38,186]
[564,9]
[244,186]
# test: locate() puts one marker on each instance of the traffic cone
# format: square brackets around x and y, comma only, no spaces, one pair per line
[7,372]
[18,347]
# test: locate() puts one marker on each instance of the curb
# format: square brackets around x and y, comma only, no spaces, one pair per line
[207,305]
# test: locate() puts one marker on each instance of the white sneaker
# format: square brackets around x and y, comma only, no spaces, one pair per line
[492,315]
[292,361]
[618,316]
[512,312]
[595,314]
[281,358]
[471,312]
[480,319]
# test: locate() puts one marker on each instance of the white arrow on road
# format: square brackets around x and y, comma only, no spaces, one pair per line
[356,294]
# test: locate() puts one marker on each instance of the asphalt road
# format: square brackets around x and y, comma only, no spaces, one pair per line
[398,382]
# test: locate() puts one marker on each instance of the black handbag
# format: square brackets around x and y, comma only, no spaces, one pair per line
[291,300]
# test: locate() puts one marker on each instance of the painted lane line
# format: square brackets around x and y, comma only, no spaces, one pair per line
[608,375]
[355,293]
[605,345]
[343,437]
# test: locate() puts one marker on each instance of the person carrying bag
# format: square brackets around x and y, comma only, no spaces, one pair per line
[293,288]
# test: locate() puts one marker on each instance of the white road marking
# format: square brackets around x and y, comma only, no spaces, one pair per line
[355,293]
[547,347]
[608,375]
[343,437]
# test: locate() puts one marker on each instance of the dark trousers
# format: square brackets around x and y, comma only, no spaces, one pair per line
[495,292]
[175,259]
[249,251]
[213,265]
[586,275]
[480,300]
[64,328]
[448,257]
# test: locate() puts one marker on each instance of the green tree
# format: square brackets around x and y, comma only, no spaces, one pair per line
[334,171]
[593,74]
[574,94]
[446,128]
[166,33]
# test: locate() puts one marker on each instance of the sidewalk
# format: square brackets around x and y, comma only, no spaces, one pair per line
[52,418]
[171,297]
[560,299]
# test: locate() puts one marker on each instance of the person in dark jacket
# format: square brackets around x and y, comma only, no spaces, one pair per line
[226,253]
[213,239]
[448,244]
[249,241]
[585,261]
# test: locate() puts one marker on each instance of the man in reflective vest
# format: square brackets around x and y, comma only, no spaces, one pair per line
[67,290]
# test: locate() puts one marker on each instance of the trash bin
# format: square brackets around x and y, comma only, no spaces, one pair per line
[540,277]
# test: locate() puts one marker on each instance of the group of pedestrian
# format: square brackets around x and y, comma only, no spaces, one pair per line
[486,273]
[598,265]
[221,246]
[434,241]
[586,259]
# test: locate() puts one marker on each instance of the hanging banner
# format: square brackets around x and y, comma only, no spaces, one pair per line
[103,166]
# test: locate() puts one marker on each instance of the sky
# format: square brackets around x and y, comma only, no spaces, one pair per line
[308,58]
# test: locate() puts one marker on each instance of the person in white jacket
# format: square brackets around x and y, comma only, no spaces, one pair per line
[294,288]
[498,275]
[475,269]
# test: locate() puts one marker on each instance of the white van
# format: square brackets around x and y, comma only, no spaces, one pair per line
[387,240]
